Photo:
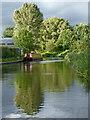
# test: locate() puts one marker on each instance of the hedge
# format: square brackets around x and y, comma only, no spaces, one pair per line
[6,52]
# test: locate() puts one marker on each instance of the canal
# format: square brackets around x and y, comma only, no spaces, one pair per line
[46,89]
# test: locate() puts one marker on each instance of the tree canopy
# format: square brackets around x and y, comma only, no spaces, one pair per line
[50,32]
[8,32]
[25,40]
[81,37]
[28,17]
[51,35]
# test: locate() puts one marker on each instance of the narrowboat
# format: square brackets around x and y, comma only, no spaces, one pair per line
[32,57]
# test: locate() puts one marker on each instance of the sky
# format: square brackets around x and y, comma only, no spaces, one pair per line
[75,12]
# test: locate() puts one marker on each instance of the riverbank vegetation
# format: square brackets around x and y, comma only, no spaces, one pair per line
[8,32]
[9,52]
[53,37]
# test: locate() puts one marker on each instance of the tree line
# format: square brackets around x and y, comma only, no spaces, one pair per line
[32,32]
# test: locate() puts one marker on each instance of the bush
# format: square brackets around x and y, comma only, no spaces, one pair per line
[9,52]
[79,63]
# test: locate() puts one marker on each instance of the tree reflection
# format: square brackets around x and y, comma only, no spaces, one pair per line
[37,78]
[58,77]
[29,93]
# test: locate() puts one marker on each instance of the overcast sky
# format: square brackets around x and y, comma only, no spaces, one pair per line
[75,12]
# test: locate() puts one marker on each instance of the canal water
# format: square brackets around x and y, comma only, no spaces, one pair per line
[46,89]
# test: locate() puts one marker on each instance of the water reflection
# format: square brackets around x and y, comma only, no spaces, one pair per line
[27,67]
[37,78]
[56,77]
[29,92]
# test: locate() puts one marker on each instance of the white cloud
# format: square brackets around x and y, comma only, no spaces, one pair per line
[17,115]
[74,12]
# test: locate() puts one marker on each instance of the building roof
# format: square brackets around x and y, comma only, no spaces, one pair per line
[7,42]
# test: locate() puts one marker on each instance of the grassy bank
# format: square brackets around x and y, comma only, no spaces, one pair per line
[10,59]
[79,64]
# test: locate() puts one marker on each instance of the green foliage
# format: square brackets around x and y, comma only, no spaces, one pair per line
[8,32]
[89,24]
[81,38]
[49,54]
[78,52]
[29,18]
[52,37]
[9,52]
[25,40]
[79,63]
[50,32]
[50,46]
[65,39]
[63,54]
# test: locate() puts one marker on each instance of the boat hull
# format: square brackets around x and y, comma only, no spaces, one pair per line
[27,59]
[32,59]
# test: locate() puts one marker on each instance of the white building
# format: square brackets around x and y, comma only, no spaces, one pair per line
[9,42]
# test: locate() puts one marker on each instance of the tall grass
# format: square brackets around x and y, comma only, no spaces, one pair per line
[79,63]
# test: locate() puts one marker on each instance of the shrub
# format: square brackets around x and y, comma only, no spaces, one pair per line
[9,52]
[79,63]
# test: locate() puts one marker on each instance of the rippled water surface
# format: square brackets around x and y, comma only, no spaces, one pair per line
[46,89]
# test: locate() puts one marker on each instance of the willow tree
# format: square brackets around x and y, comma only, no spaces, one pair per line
[27,17]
